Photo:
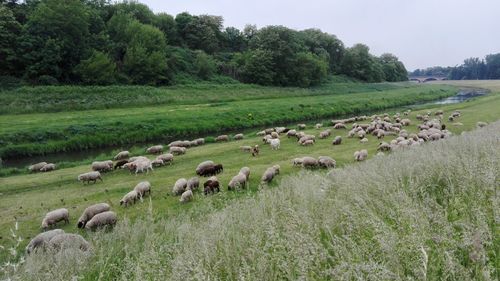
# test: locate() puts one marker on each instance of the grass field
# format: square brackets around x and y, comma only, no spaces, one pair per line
[169,235]
[42,133]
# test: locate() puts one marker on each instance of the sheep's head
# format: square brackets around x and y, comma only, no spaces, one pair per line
[81,224]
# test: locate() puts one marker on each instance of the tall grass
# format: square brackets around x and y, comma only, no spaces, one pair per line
[427,213]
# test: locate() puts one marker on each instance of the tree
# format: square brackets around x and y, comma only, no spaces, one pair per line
[492,66]
[136,10]
[394,70]
[10,29]
[98,69]
[256,67]
[205,65]
[234,40]
[324,45]
[167,24]
[360,64]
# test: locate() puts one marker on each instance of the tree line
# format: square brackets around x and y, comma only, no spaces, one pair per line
[96,42]
[470,69]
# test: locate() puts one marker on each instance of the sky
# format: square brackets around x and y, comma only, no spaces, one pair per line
[421,33]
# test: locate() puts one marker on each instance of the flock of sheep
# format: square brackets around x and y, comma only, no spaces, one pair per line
[100,215]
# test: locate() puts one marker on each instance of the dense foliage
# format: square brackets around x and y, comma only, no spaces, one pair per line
[471,69]
[96,42]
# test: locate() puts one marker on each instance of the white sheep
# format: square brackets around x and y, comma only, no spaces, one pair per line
[297,162]
[166,158]
[361,155]
[157,163]
[291,133]
[48,167]
[301,126]
[68,240]
[122,155]
[142,165]
[481,124]
[193,183]
[179,186]
[129,198]
[36,167]
[240,180]
[269,174]
[222,138]
[101,219]
[363,140]
[326,162]
[90,212]
[142,188]
[246,148]
[308,142]
[318,126]
[55,216]
[245,171]
[186,196]
[309,162]
[155,149]
[102,166]
[238,137]
[275,144]
[90,176]
[337,140]
[42,239]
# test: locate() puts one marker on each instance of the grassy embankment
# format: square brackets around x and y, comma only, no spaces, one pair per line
[27,198]
[239,108]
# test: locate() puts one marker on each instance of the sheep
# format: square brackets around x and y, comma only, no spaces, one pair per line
[157,163]
[268,131]
[186,196]
[240,180]
[222,138]
[142,188]
[199,141]
[238,137]
[308,142]
[48,167]
[275,144]
[326,162]
[269,174]
[325,134]
[245,171]
[275,135]
[451,118]
[337,140]
[102,166]
[101,220]
[291,133]
[55,216]
[306,138]
[137,158]
[266,138]
[360,155]
[361,134]
[179,143]
[318,126]
[129,198]
[363,140]
[255,150]
[309,162]
[246,148]
[68,240]
[209,169]
[42,239]
[339,126]
[166,158]
[122,155]
[155,149]
[383,146]
[179,186]
[90,176]
[177,150]
[204,165]
[435,137]
[119,164]
[90,212]
[261,133]
[301,126]
[36,167]
[193,183]
[405,122]
[380,134]
[439,112]
[481,124]
[211,185]
[142,165]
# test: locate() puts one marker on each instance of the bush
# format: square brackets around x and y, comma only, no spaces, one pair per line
[47,80]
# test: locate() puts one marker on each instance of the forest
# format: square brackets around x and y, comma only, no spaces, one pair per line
[99,42]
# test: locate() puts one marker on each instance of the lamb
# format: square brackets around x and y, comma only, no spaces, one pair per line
[337,140]
[68,240]
[270,173]
[297,162]
[193,183]
[129,198]
[155,149]
[238,137]
[211,185]
[119,164]
[48,167]
[481,124]
[301,126]
[246,148]
[55,216]
[101,220]
[122,155]
[166,158]
[361,155]
[90,212]
[275,144]
[240,180]
[222,138]
[142,188]
[179,186]
[176,150]
[309,162]
[326,162]
[102,166]
[186,196]
[36,167]
[90,176]
[245,171]
[42,239]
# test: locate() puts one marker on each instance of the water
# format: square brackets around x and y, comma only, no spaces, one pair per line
[108,152]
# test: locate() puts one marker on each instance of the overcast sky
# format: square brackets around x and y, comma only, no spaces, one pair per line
[421,33]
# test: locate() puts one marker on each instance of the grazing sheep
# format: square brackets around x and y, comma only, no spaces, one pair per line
[137,158]
[308,143]
[101,220]
[142,165]
[240,180]
[90,176]
[36,167]
[261,133]
[451,118]
[301,126]
[438,112]
[291,133]
[68,241]
[193,183]
[179,143]
[238,137]
[337,140]
[481,124]
[363,140]
[155,149]
[246,148]
[275,144]
[42,239]
[122,155]
[53,217]
[177,150]
[119,164]
[199,141]
[266,138]
[361,155]
[435,137]
[380,134]
[270,173]
[245,171]
[383,146]
[222,138]
[186,196]
[325,134]
[129,198]
[102,166]
[297,162]
[305,138]
[326,162]
[209,169]
[275,135]
[166,158]
[48,167]
[309,162]
[179,186]
[318,126]
[255,150]
[204,165]
[361,134]
[339,126]
[142,188]
[405,122]
[90,212]
[157,163]
[211,186]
